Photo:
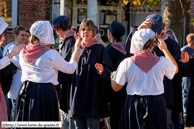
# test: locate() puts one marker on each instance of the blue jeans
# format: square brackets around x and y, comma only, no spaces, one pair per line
[82,122]
[13,109]
[186,82]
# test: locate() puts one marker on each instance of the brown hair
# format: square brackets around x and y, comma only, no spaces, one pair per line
[33,39]
[87,22]
[16,30]
[149,45]
[190,37]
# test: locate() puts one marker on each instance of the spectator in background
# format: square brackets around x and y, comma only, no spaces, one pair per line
[186,81]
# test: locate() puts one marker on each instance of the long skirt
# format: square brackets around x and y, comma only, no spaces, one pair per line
[37,102]
[3,108]
[156,113]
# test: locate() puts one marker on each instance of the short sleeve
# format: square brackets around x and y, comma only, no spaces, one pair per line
[120,75]
[169,67]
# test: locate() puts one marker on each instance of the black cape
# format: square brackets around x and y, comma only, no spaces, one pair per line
[64,79]
[88,95]
[116,99]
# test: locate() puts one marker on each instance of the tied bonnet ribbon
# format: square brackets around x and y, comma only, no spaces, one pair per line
[32,52]
[120,46]
[92,42]
[145,60]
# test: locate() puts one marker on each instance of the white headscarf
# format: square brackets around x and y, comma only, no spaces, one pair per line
[169,30]
[3,25]
[43,31]
[139,38]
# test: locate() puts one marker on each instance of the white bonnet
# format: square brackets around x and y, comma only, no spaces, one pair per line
[43,31]
[3,25]
[139,38]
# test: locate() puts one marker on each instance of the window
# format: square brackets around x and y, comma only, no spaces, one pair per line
[8,11]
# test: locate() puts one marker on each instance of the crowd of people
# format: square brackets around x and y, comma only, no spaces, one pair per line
[135,84]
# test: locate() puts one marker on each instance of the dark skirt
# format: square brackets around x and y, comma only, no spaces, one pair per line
[37,102]
[155,119]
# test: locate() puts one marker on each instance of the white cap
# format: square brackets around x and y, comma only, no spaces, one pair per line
[43,31]
[3,25]
[139,38]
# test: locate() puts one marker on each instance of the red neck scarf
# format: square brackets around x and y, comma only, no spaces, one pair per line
[120,46]
[145,60]
[32,52]
[92,42]
[68,34]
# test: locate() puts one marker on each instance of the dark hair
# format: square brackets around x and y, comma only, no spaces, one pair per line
[16,30]
[65,25]
[87,22]
[149,45]
[27,31]
[116,37]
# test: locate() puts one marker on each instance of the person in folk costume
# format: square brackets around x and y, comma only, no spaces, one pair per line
[37,98]
[3,63]
[117,53]
[154,22]
[62,26]
[144,72]
[88,96]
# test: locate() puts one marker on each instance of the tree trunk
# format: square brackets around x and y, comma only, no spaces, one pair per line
[173,17]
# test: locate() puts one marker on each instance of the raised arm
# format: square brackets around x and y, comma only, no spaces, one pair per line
[162,46]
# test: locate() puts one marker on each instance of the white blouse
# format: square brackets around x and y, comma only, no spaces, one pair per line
[141,83]
[16,81]
[4,62]
[45,68]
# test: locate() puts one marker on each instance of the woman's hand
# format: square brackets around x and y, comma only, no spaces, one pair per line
[185,57]
[78,41]
[145,24]
[162,45]
[99,67]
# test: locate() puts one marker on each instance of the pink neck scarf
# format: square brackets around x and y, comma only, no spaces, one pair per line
[32,52]
[120,46]
[69,33]
[145,60]
[92,42]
